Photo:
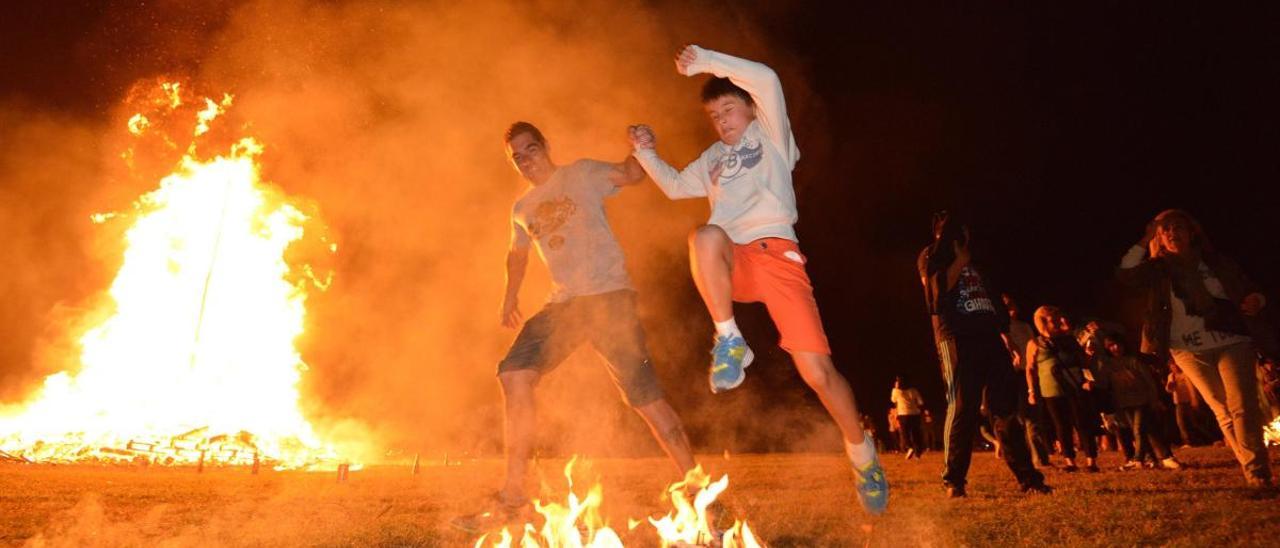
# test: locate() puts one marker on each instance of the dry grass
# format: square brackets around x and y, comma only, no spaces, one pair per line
[790,500]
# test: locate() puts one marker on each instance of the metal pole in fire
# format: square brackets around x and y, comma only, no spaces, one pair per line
[208,277]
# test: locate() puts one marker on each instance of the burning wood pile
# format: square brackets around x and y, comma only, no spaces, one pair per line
[197,336]
[193,447]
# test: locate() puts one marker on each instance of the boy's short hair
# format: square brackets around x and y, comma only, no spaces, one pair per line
[717,87]
[523,127]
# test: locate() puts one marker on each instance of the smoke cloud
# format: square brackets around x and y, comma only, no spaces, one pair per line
[387,119]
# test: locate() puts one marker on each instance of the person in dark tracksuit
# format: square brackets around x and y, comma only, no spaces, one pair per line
[970,330]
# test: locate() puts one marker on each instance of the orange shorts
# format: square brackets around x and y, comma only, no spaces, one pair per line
[771,271]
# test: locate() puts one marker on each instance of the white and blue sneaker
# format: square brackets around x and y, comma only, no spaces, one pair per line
[872,486]
[729,358]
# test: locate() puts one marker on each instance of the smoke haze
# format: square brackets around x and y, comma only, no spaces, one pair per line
[387,119]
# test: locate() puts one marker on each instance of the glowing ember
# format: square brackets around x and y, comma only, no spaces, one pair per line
[211,111]
[193,358]
[172,96]
[138,124]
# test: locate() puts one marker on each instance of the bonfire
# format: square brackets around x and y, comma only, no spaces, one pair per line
[191,359]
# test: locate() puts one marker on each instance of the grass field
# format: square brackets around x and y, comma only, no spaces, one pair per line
[788,499]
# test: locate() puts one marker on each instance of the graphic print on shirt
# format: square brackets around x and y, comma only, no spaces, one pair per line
[548,217]
[972,296]
[1188,331]
[746,155]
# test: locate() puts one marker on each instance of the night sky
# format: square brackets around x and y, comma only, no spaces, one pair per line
[1057,131]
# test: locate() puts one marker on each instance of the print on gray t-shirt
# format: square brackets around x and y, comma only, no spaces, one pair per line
[564,218]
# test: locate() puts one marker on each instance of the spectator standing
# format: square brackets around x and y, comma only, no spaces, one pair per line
[976,357]
[1056,374]
[1031,416]
[1134,397]
[1205,312]
[909,404]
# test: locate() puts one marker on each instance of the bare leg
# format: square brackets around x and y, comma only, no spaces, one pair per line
[711,258]
[669,432]
[820,374]
[517,391]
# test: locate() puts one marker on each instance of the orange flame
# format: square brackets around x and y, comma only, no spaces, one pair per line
[195,359]
[578,523]
[690,524]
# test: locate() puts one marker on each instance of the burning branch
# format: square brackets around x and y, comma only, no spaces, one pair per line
[4,456]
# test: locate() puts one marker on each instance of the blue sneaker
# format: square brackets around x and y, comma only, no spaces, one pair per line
[873,487]
[728,360]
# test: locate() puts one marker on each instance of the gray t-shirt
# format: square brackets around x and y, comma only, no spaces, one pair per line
[564,218]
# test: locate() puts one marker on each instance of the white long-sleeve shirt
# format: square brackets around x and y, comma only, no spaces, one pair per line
[753,196]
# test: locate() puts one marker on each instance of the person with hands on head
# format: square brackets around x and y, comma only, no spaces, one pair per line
[1205,312]
[748,251]
[977,358]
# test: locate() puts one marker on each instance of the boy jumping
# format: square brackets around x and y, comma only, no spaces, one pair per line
[747,251]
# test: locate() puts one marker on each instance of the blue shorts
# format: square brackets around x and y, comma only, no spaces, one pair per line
[609,322]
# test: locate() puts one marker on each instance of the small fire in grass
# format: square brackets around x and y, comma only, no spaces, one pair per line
[1272,432]
[577,523]
[690,525]
[192,358]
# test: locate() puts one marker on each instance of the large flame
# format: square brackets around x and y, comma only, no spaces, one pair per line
[194,358]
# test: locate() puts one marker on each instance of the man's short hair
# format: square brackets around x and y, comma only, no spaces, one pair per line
[523,127]
[717,87]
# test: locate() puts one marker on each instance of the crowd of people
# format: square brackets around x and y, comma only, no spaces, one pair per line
[1205,354]
[1170,407]
[1005,381]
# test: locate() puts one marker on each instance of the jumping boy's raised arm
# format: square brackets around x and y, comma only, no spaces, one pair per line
[760,81]
[691,182]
